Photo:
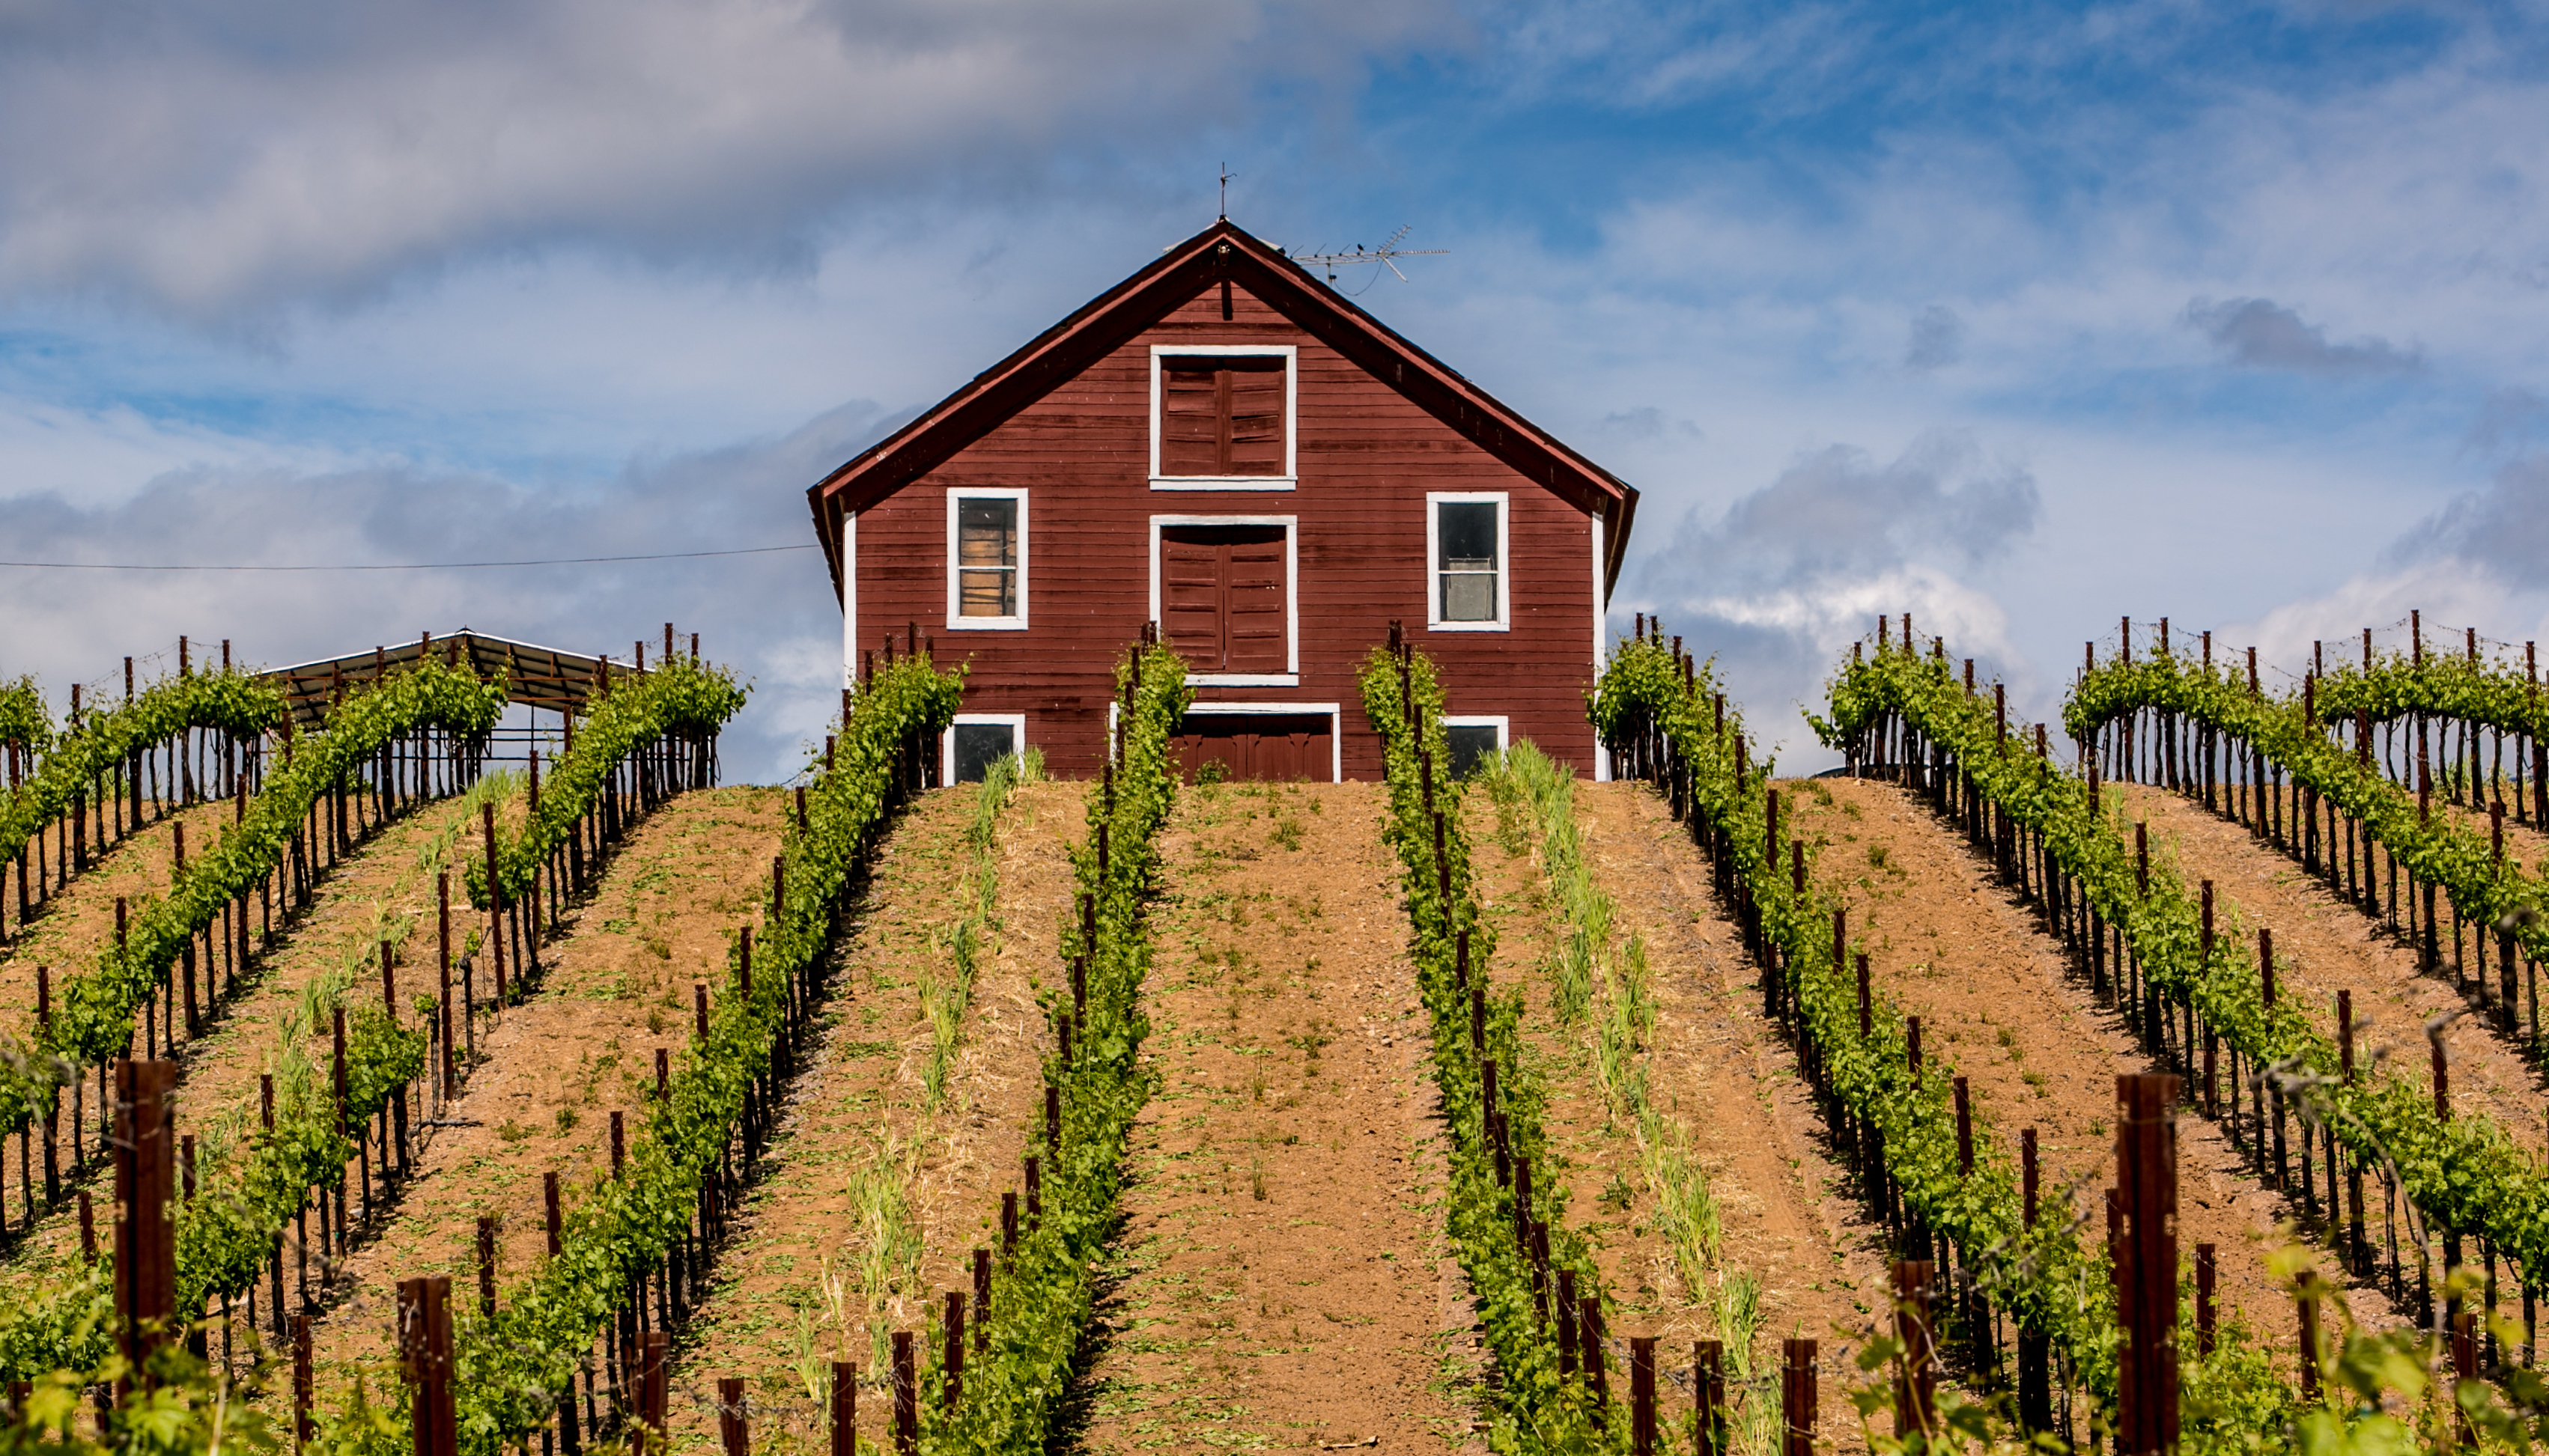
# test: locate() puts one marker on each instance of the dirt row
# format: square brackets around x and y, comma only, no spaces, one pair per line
[864,1188]
[1717,1072]
[2324,945]
[70,931]
[1998,998]
[550,1071]
[1281,1281]
[384,889]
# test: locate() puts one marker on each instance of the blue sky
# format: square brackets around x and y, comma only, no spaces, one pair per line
[2021,317]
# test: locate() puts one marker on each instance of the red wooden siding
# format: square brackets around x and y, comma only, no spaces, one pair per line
[1366,458]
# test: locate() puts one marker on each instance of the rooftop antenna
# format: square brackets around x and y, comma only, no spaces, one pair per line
[1382,255]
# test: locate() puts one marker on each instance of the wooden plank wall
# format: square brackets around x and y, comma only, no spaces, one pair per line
[1366,458]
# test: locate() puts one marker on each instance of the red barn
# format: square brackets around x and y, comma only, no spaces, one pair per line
[1223,445]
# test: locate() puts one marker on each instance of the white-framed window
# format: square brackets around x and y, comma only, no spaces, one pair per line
[971,745]
[1223,416]
[1468,587]
[1473,738]
[987,559]
[1224,592]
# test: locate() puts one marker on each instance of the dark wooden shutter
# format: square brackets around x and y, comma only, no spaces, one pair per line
[1223,598]
[1256,430]
[1191,597]
[1189,417]
[1255,627]
[1221,415]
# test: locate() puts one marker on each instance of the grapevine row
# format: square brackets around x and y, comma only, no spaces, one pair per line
[69,784]
[1008,1393]
[2193,991]
[2343,806]
[634,1255]
[231,1232]
[1506,1229]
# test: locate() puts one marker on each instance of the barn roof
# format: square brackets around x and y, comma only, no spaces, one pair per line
[1103,323]
[537,676]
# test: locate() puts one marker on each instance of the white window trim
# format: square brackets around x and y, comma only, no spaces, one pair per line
[1434,502]
[955,602]
[1601,754]
[1332,712]
[849,599]
[1291,524]
[1017,726]
[1291,421]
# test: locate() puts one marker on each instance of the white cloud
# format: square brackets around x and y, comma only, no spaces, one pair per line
[288,150]
[773,617]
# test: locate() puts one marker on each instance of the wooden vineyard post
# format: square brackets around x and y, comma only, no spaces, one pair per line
[1588,1331]
[982,1301]
[557,1224]
[145,1234]
[2306,1301]
[1642,1394]
[304,1383]
[2443,1075]
[1916,1387]
[451,1073]
[2034,1347]
[907,1398]
[951,1363]
[2146,1267]
[1797,1397]
[2206,1276]
[1707,1395]
[654,1355]
[845,1409]
[738,1438]
[487,1265]
[424,1360]
[2464,1367]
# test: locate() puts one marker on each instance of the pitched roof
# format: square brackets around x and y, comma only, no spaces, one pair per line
[541,676]
[1105,322]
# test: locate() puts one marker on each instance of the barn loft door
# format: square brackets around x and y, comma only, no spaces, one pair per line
[1222,597]
[1221,415]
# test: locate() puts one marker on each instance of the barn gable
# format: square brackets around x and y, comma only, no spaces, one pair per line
[1227,255]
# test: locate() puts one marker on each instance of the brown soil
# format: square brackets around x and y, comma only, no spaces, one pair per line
[1999,1003]
[864,1088]
[2324,945]
[70,932]
[1282,1280]
[1714,1069]
[384,889]
[551,1070]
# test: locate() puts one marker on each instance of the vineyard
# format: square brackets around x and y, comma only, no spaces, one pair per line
[2166,1077]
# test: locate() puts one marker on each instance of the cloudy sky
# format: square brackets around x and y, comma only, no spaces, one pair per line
[2021,317]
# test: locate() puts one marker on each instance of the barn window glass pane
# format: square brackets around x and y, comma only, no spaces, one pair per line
[1474,746]
[979,745]
[1465,531]
[987,558]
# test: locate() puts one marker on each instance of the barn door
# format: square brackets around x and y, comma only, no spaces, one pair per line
[1223,597]
[1283,747]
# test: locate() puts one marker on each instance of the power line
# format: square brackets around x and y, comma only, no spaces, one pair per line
[420,566]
